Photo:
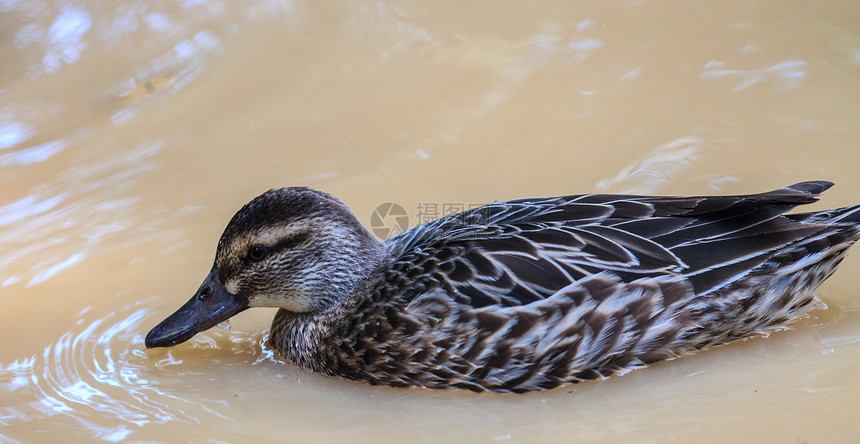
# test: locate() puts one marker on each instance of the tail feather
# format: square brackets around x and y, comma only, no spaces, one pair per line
[797,194]
[849,215]
[810,187]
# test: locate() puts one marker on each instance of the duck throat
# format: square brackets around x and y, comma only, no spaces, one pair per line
[313,340]
[302,338]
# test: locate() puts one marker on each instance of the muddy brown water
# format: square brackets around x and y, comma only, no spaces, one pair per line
[131,131]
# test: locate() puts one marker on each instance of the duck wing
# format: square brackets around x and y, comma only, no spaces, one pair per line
[522,251]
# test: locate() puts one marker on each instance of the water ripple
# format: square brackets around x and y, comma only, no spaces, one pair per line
[96,374]
[657,168]
[784,76]
[81,209]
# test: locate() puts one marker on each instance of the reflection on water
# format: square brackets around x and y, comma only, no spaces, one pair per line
[77,211]
[13,133]
[64,40]
[168,72]
[35,154]
[844,332]
[130,132]
[657,169]
[785,76]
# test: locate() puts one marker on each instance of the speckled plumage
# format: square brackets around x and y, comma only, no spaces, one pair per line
[533,293]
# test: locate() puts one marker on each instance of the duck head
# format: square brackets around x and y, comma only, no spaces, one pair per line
[293,248]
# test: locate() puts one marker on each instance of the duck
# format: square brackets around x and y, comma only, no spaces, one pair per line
[517,296]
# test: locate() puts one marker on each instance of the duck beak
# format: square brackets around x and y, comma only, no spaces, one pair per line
[210,305]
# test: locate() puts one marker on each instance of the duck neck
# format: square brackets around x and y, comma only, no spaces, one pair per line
[311,340]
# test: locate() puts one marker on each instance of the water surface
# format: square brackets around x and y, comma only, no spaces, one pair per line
[131,131]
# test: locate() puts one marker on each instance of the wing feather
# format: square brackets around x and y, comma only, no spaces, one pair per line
[518,252]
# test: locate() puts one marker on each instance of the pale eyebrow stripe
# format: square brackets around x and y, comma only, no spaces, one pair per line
[268,237]
[272,237]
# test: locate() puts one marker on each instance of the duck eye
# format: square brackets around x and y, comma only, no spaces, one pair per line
[257,253]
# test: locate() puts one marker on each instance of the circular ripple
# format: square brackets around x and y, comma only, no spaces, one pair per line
[99,378]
